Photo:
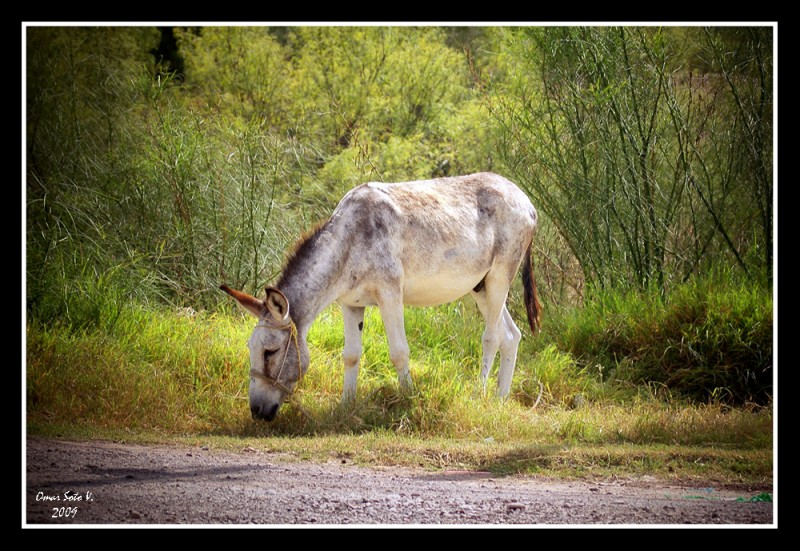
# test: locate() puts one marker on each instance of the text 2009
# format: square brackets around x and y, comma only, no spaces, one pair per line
[64,512]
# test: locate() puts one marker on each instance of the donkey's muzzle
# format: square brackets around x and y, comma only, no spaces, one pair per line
[265,412]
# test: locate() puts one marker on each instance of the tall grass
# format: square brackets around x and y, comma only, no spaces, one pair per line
[178,371]
[709,340]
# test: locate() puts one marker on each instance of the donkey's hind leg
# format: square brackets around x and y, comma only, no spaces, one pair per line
[490,302]
[390,305]
[500,334]
[509,344]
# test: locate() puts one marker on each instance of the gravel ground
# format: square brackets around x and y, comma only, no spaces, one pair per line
[91,483]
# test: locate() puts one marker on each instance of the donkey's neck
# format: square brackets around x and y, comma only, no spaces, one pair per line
[311,279]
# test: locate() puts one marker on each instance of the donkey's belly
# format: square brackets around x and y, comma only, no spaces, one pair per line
[434,290]
[417,291]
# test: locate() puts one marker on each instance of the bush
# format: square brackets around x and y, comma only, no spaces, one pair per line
[707,341]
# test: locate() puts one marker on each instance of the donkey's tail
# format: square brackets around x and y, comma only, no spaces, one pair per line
[532,305]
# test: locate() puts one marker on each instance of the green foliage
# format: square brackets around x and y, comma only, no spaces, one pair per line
[642,168]
[144,190]
[648,170]
[178,371]
[77,144]
[382,80]
[145,372]
[239,71]
[209,178]
[710,341]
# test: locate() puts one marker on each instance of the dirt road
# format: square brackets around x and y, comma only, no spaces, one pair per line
[107,483]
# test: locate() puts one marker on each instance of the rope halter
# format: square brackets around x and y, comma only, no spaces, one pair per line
[275,381]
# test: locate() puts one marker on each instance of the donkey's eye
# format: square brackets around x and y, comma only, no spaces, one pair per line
[268,354]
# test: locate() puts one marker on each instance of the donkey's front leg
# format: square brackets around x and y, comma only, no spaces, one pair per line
[391,308]
[353,326]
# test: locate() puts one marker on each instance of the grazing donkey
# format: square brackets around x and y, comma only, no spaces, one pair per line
[387,245]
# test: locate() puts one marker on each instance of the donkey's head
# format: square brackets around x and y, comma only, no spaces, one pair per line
[277,361]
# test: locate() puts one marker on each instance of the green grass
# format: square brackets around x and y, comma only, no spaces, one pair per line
[167,375]
[710,340]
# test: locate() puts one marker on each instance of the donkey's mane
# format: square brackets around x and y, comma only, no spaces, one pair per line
[300,252]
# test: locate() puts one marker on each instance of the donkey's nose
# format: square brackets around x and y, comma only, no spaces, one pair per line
[267,413]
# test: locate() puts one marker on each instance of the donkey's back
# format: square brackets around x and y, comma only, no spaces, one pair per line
[437,239]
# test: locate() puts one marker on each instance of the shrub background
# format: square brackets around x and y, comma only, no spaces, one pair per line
[161,162]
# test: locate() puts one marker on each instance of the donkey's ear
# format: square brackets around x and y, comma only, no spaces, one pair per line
[277,305]
[249,303]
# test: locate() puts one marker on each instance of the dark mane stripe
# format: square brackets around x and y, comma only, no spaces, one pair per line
[300,253]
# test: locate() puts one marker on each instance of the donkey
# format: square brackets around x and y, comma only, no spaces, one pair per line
[419,243]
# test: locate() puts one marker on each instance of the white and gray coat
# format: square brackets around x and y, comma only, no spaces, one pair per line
[419,243]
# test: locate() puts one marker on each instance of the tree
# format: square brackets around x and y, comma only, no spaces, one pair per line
[81,86]
[242,71]
[610,136]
